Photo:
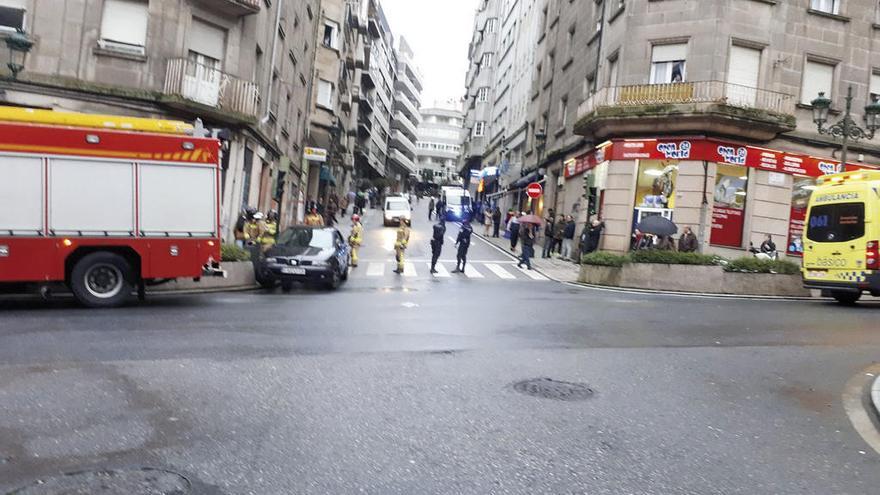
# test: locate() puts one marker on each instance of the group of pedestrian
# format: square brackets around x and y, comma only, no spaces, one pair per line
[253,229]
[687,242]
[559,236]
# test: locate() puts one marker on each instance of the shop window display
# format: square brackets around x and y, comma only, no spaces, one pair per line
[801,191]
[728,212]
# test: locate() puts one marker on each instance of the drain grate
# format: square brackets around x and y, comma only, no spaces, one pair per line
[547,388]
[143,481]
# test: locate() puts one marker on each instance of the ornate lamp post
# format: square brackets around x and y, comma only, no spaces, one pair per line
[846,129]
[19,44]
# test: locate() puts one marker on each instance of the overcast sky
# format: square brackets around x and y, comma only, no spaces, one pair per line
[439,33]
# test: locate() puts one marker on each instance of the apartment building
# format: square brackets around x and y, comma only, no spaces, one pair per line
[498,96]
[333,111]
[440,136]
[639,106]
[242,66]
[375,96]
[405,119]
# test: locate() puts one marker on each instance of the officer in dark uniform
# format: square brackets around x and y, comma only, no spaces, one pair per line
[437,242]
[463,241]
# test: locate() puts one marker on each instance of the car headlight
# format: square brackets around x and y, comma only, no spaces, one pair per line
[320,263]
[271,261]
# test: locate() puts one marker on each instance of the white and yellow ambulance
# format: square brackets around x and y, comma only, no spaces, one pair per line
[842,236]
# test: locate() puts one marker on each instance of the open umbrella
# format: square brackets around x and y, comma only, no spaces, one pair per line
[657,225]
[535,219]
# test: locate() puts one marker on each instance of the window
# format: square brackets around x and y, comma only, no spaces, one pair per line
[491,25]
[743,69]
[875,86]
[829,6]
[331,35]
[570,40]
[839,222]
[668,63]
[124,24]
[563,111]
[480,129]
[12,15]
[483,94]
[589,86]
[612,72]
[818,77]
[325,93]
[208,41]
[487,60]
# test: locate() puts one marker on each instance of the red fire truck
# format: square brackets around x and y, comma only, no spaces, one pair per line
[106,205]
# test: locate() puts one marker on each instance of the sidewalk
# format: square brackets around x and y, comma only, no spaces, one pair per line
[554,268]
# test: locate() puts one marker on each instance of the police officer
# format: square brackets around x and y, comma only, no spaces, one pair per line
[437,242]
[463,241]
[271,230]
[355,238]
[401,243]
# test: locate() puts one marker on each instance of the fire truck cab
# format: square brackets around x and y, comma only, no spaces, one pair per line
[842,236]
[104,204]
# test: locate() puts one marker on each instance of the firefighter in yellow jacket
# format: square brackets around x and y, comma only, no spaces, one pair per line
[401,243]
[355,238]
[270,230]
[254,229]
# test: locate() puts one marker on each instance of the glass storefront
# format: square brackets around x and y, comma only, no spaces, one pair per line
[801,191]
[728,212]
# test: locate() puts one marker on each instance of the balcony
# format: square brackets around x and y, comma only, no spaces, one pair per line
[209,92]
[402,83]
[395,156]
[365,127]
[367,80]
[401,122]
[366,103]
[408,109]
[404,143]
[237,8]
[705,107]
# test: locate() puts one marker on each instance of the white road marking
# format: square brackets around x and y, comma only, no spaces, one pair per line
[471,272]
[409,269]
[375,269]
[500,272]
[534,275]
[452,239]
[409,305]
[441,270]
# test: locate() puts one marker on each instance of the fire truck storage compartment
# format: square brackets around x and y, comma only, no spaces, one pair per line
[96,198]
[21,195]
[91,197]
[177,200]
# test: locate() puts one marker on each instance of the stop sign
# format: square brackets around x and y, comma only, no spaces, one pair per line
[534,190]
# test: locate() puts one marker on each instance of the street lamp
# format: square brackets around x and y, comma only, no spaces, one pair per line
[846,129]
[19,44]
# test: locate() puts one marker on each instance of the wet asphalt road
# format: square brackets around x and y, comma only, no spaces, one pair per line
[403,384]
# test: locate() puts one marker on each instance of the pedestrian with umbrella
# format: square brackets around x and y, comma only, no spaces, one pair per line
[661,228]
[528,224]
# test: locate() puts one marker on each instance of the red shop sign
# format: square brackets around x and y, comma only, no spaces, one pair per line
[587,161]
[727,227]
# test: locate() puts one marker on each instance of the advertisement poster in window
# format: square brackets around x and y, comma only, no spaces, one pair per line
[800,198]
[730,203]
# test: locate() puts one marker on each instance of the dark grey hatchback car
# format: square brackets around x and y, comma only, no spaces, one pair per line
[311,255]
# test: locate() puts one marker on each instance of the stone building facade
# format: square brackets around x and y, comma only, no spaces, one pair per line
[242,66]
[407,95]
[638,106]
[440,136]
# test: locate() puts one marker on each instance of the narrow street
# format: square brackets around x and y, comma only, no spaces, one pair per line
[405,384]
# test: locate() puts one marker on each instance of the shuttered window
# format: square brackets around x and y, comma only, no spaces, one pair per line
[207,39]
[12,15]
[875,86]
[818,77]
[742,75]
[125,22]
[325,93]
[668,63]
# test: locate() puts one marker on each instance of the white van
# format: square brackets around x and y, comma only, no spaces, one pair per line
[396,209]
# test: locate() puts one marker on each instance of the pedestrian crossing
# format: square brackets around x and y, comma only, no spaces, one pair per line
[473,270]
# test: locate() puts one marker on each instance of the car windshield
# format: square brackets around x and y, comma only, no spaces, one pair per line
[396,204]
[840,222]
[458,200]
[319,238]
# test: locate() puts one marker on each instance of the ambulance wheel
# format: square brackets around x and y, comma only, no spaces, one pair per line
[101,280]
[846,298]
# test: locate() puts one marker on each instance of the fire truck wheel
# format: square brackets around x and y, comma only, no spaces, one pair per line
[101,280]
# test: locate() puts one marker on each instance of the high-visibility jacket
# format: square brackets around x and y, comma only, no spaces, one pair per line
[268,237]
[314,220]
[402,237]
[357,234]
[253,231]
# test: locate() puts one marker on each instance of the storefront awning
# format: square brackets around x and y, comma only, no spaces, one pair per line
[327,176]
[526,180]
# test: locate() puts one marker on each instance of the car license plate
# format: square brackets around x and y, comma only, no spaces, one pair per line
[289,270]
[817,274]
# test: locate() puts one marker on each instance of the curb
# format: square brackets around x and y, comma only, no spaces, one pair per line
[514,257]
[874,396]
[713,295]
[236,288]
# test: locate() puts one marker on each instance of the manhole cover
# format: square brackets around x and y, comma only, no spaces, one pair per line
[547,388]
[144,481]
